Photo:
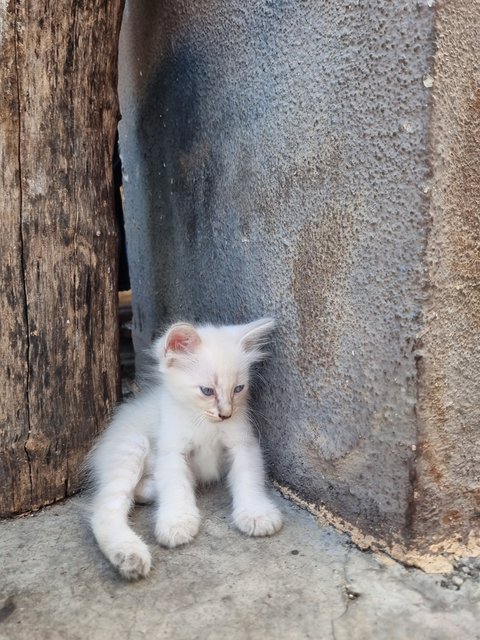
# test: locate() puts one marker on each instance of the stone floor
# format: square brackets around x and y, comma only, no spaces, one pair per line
[308,581]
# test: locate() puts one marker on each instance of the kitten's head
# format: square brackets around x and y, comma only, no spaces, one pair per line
[207,368]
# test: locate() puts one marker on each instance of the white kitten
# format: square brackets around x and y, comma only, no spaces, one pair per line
[185,430]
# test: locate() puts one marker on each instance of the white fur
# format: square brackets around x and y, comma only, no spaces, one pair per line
[162,443]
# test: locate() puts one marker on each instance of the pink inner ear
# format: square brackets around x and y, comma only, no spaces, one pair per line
[178,343]
[183,339]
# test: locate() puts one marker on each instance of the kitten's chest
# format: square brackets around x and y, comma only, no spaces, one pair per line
[206,456]
[206,436]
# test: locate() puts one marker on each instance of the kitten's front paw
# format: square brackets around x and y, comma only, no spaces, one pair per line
[255,522]
[133,562]
[175,532]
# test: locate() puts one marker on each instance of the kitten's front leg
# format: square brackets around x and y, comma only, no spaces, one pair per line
[253,511]
[178,519]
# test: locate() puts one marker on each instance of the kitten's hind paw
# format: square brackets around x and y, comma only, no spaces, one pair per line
[255,523]
[132,562]
[175,532]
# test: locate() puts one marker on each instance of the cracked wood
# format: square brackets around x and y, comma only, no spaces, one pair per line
[58,114]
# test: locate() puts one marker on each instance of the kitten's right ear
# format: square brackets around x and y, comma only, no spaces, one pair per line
[181,338]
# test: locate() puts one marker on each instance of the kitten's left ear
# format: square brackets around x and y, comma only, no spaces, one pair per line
[254,336]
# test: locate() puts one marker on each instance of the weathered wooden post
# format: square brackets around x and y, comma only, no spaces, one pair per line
[58,330]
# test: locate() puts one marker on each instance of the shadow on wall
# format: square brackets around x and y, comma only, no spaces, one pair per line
[183,176]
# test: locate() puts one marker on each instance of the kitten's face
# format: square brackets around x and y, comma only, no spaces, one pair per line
[216,385]
[207,368]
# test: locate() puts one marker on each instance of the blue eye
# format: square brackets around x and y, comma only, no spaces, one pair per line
[239,388]
[207,391]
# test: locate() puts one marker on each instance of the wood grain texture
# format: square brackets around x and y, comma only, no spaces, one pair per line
[58,242]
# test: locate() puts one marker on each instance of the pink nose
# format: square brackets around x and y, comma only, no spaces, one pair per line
[225,417]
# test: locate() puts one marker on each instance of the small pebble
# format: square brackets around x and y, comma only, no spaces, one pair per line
[427,81]
[457,580]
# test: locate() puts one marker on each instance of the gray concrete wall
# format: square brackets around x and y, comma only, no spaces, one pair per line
[277,162]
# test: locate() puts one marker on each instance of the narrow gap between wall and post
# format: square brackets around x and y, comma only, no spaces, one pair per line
[126,351]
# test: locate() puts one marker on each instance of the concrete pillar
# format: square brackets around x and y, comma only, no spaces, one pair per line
[319,163]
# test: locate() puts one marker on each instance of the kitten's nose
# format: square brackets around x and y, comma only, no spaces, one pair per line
[224,417]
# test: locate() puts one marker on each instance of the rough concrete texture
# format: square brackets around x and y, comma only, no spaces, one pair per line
[277,163]
[306,582]
[448,463]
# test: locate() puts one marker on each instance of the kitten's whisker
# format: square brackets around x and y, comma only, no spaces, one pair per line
[254,423]
[260,377]
[254,413]
[198,421]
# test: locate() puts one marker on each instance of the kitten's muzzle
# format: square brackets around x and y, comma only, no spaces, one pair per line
[224,417]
